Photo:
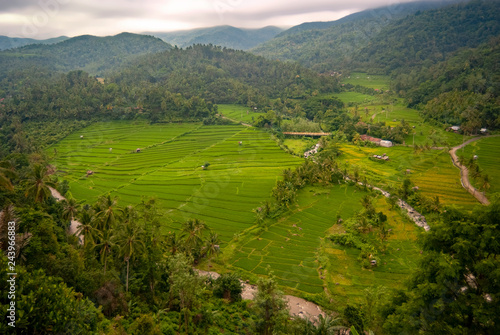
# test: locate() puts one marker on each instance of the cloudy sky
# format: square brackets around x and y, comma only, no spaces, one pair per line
[42,19]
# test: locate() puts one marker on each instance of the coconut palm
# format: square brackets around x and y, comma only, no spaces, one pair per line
[193,232]
[71,208]
[87,227]
[22,239]
[105,244]
[212,246]
[108,212]
[327,325]
[6,174]
[174,243]
[130,240]
[485,183]
[38,183]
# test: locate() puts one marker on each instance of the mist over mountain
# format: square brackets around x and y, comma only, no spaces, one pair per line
[225,36]
[16,42]
[327,46]
[92,54]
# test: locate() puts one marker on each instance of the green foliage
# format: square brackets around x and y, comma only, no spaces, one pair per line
[354,317]
[47,305]
[430,36]
[222,75]
[454,288]
[228,286]
[89,53]
[270,305]
[330,46]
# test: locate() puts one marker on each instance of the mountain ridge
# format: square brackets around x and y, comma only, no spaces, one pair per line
[225,36]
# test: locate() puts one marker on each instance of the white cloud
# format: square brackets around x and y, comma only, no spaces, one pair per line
[47,18]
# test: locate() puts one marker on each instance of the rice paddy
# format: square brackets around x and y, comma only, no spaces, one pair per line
[294,247]
[169,168]
[432,171]
[486,150]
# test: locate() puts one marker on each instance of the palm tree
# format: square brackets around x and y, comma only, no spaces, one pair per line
[87,227]
[104,245]
[21,239]
[193,231]
[6,173]
[39,183]
[108,211]
[328,325]
[174,243]
[71,208]
[212,246]
[130,241]
[486,183]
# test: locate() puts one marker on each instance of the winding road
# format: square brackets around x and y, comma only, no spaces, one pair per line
[464,171]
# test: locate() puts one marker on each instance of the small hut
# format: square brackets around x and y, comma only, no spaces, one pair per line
[81,136]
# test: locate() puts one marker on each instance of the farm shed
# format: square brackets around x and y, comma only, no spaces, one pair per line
[384,143]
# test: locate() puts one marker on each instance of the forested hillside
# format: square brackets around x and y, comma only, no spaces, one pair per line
[223,75]
[225,36]
[129,168]
[331,46]
[430,36]
[16,42]
[92,54]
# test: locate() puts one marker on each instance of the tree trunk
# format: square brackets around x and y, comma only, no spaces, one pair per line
[126,285]
[105,260]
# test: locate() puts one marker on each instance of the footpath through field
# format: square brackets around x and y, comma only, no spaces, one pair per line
[464,171]
[73,228]
[297,306]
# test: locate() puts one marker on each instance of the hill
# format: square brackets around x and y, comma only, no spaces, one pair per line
[430,36]
[225,36]
[16,42]
[223,76]
[388,12]
[327,46]
[89,53]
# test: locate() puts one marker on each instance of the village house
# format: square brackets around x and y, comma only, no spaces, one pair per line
[378,141]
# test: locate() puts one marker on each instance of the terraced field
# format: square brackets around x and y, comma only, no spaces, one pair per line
[487,150]
[169,168]
[432,171]
[294,247]
[238,113]
[346,279]
[290,244]
[368,80]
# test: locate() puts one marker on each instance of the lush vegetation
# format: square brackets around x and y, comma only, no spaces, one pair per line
[331,46]
[92,54]
[177,161]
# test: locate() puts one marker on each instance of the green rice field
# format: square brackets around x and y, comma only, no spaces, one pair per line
[346,279]
[368,80]
[169,168]
[487,150]
[432,171]
[238,113]
[295,248]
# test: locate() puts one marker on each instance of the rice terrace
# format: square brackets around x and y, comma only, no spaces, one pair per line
[329,178]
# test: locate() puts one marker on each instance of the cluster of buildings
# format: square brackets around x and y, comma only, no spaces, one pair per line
[377,141]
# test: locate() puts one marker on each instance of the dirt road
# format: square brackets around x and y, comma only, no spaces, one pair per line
[464,171]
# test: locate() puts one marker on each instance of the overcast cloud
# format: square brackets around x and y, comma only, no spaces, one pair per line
[50,18]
